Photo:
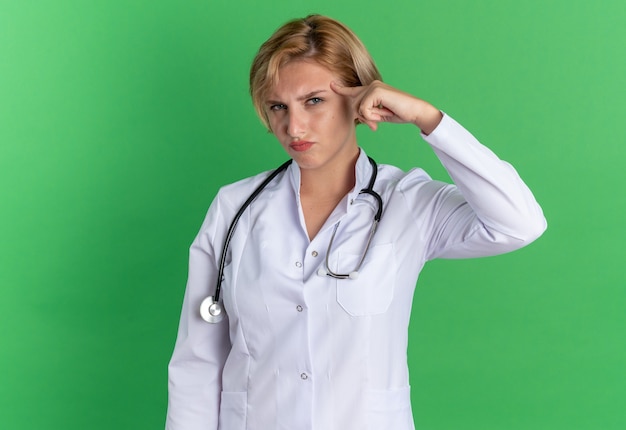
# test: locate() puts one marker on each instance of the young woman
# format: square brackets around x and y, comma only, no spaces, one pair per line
[309,328]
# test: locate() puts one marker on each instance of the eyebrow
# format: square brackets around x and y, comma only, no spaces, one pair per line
[301,98]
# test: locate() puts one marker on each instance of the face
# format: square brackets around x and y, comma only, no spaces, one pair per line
[314,124]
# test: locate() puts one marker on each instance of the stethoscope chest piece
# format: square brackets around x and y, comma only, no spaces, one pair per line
[210,311]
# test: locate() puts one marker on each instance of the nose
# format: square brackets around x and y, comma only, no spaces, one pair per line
[296,122]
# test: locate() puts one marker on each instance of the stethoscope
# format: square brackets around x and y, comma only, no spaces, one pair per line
[211,310]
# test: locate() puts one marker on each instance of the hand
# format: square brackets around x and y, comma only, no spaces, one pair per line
[379,102]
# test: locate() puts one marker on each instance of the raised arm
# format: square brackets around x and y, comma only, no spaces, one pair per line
[488,211]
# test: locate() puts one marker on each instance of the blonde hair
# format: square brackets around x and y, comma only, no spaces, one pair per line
[323,40]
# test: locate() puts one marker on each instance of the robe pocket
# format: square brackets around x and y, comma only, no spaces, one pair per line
[371,293]
[233,408]
[390,409]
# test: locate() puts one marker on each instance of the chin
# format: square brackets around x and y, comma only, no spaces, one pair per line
[307,162]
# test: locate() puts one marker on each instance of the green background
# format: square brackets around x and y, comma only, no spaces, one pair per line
[120,119]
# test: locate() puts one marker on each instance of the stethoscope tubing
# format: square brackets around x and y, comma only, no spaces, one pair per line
[233,225]
[211,310]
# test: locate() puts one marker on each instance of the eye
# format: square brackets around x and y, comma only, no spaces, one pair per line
[277,107]
[314,101]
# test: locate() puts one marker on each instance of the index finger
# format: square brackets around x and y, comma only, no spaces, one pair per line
[343,90]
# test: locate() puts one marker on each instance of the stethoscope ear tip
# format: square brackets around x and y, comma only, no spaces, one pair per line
[322,272]
[354,275]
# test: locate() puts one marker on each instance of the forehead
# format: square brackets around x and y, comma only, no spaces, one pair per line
[300,77]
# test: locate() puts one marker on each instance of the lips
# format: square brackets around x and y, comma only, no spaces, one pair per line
[300,145]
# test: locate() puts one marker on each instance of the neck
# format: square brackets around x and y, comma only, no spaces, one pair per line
[322,189]
[332,182]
